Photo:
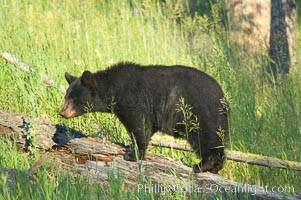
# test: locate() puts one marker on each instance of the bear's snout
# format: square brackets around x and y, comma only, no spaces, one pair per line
[63,114]
[68,111]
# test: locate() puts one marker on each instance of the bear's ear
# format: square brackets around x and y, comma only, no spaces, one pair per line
[88,80]
[70,78]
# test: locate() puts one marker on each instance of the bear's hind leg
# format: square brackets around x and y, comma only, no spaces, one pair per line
[211,162]
[210,149]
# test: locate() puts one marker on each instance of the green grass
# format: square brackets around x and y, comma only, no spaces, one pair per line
[58,36]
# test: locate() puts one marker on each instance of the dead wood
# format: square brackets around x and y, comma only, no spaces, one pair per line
[27,175]
[249,158]
[96,158]
[260,160]
[47,135]
[34,168]
[25,67]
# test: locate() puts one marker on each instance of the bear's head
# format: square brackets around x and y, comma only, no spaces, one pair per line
[81,96]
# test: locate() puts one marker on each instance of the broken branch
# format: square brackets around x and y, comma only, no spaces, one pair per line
[249,158]
[25,67]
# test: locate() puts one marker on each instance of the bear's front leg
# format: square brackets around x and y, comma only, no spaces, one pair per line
[139,145]
[131,155]
[140,129]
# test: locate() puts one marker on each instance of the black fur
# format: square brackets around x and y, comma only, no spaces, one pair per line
[146,99]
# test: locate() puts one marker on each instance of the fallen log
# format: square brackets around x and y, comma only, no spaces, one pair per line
[25,67]
[46,134]
[50,135]
[255,159]
[96,159]
[249,158]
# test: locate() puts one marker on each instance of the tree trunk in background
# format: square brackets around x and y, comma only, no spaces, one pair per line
[249,23]
[283,36]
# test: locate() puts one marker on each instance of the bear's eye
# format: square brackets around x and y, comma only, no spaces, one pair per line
[67,93]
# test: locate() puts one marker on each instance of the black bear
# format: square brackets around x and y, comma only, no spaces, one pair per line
[146,99]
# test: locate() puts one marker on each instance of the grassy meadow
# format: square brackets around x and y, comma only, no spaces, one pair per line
[57,36]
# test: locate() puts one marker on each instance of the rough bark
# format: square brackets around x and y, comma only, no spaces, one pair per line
[249,23]
[47,135]
[96,158]
[283,36]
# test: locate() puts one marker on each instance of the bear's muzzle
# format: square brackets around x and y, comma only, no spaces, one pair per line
[68,110]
